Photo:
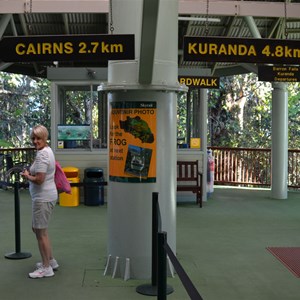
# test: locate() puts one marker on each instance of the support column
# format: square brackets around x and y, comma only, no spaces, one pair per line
[203,136]
[279,141]
[129,202]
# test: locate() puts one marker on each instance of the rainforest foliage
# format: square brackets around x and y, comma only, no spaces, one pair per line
[239,112]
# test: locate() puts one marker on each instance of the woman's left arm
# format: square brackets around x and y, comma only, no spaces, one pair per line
[38,178]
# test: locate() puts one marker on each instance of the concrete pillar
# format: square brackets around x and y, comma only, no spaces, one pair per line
[279,141]
[203,136]
[129,203]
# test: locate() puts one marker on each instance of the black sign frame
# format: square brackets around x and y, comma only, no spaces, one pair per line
[247,50]
[99,47]
[282,73]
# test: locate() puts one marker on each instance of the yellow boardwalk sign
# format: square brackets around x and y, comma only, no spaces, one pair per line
[200,81]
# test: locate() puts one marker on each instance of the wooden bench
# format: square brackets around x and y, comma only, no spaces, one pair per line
[189,178]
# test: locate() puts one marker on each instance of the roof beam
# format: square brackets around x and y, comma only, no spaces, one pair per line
[54,6]
[252,27]
[4,66]
[23,24]
[186,7]
[4,20]
[66,23]
[149,25]
[240,8]
[232,70]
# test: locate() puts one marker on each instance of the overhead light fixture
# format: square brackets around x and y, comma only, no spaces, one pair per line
[198,19]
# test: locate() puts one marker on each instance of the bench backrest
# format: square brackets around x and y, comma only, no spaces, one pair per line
[187,170]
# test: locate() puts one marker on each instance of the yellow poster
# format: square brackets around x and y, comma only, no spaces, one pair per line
[132,142]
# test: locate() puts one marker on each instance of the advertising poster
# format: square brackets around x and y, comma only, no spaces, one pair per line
[132,142]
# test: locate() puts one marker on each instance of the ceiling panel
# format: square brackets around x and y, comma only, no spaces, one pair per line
[273,19]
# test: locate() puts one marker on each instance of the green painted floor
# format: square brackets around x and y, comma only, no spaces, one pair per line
[222,247]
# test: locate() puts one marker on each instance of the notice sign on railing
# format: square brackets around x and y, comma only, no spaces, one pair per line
[132,142]
[101,47]
[220,49]
[279,73]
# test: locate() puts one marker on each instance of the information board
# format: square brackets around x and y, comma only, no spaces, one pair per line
[247,50]
[279,73]
[101,47]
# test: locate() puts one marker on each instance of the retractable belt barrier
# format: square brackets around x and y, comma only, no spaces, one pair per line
[73,184]
[18,254]
[186,281]
[160,251]
[160,247]
[78,184]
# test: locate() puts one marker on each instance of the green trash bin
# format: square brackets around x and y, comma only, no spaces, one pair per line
[93,194]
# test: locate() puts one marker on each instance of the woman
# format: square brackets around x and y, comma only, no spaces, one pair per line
[44,196]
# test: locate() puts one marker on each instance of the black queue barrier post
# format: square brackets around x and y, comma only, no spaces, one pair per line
[162,266]
[17,254]
[151,289]
[155,227]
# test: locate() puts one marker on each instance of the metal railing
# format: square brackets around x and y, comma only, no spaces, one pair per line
[251,167]
[294,168]
[233,166]
[11,157]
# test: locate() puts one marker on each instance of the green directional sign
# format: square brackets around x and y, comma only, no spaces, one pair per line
[101,47]
[220,49]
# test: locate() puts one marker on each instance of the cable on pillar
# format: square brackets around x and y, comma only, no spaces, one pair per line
[111,23]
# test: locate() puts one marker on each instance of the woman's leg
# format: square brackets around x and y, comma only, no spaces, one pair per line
[44,245]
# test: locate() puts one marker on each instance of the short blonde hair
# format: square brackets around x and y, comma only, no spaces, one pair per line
[40,131]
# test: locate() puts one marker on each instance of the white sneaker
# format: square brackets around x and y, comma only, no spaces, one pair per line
[53,263]
[42,272]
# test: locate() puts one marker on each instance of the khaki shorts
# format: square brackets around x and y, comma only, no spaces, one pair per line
[41,213]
